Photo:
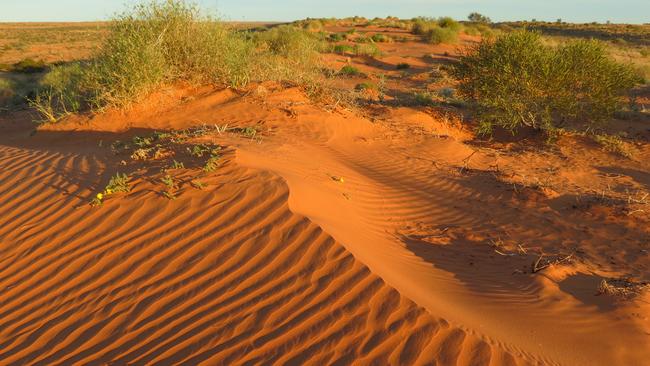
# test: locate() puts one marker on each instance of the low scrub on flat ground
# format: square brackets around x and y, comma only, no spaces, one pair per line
[518,80]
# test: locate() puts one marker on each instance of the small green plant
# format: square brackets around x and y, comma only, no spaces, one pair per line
[169,182]
[119,183]
[178,165]
[423,98]
[349,70]
[442,35]
[212,164]
[366,86]
[337,37]
[141,154]
[381,38]
[343,49]
[367,50]
[198,184]
[29,65]
[198,150]
[614,144]
[142,141]
[169,195]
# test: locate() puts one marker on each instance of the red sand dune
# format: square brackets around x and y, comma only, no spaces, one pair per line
[280,261]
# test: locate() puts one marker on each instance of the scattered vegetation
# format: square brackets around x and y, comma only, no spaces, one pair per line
[614,144]
[435,31]
[119,183]
[162,42]
[517,80]
[349,70]
[478,18]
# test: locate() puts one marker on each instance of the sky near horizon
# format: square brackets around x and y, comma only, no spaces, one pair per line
[616,11]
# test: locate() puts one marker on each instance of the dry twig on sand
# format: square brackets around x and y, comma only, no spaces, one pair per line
[538,265]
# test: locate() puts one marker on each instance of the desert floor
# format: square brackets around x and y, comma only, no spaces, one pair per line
[386,235]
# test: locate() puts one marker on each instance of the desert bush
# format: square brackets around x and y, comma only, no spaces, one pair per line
[337,37]
[166,41]
[29,65]
[614,144]
[478,18]
[366,86]
[403,66]
[367,50]
[436,31]
[517,80]
[349,70]
[289,41]
[288,54]
[161,42]
[343,49]
[422,26]
[449,23]
[381,38]
[61,91]
[442,35]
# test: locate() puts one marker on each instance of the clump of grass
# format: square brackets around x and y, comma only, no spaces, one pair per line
[381,38]
[423,98]
[343,49]
[367,50]
[349,70]
[212,164]
[436,31]
[367,86]
[442,35]
[337,37]
[614,144]
[162,42]
[61,92]
[517,80]
[29,65]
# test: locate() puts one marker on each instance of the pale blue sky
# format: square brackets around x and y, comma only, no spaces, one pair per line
[623,11]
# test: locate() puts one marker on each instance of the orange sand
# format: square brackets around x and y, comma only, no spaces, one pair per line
[328,239]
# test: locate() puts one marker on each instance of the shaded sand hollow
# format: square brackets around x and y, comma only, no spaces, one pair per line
[327,239]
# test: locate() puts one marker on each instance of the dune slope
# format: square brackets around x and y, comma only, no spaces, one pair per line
[325,239]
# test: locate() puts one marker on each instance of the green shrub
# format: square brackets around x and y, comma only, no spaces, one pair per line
[367,50]
[313,25]
[449,23]
[343,49]
[29,65]
[381,38]
[337,37]
[517,80]
[166,41]
[161,42]
[366,86]
[436,31]
[61,91]
[288,54]
[478,18]
[613,144]
[442,35]
[349,70]
[422,26]
[289,41]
